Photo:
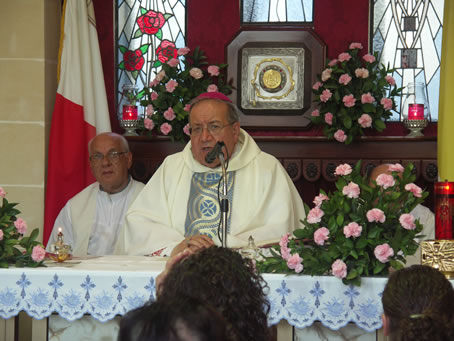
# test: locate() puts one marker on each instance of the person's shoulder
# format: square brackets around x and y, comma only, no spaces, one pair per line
[92,187]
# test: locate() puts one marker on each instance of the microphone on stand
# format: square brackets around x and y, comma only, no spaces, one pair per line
[215,152]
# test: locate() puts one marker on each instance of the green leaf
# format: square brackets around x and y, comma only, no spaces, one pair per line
[157,64]
[379,125]
[143,11]
[159,34]
[379,267]
[354,254]
[167,16]
[347,122]
[138,33]
[340,219]
[121,66]
[144,48]
[122,49]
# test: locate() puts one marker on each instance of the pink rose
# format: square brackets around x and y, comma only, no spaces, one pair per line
[317,85]
[38,253]
[160,76]
[349,101]
[196,73]
[148,123]
[385,180]
[315,113]
[326,74]
[339,269]
[186,129]
[340,135]
[169,114]
[369,58]
[361,73]
[212,88]
[2,193]
[343,169]
[390,80]
[397,167]
[344,56]
[352,230]
[165,128]
[187,107]
[320,235]
[329,118]
[1,234]
[173,62]
[171,85]
[376,214]
[154,96]
[150,110]
[21,226]
[213,70]
[325,96]
[294,262]
[383,252]
[351,190]
[367,98]
[183,51]
[154,82]
[318,200]
[416,190]
[345,79]
[387,103]
[407,221]
[365,121]
[315,215]
[333,62]
[356,46]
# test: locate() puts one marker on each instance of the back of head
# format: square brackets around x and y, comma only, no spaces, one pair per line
[222,278]
[419,303]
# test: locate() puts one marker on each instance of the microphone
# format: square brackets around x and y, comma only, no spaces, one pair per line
[213,153]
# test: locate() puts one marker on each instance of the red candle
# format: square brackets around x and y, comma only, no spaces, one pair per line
[444,206]
[130,112]
[416,111]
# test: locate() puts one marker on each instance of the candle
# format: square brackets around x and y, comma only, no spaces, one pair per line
[130,112]
[415,112]
[60,230]
[444,202]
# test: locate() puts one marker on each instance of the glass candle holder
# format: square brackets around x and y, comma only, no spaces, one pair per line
[60,251]
[444,209]
[128,113]
[415,109]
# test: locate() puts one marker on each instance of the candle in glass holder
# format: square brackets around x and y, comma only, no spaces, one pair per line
[129,112]
[415,112]
[444,205]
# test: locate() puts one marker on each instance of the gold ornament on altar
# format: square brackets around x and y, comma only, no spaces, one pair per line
[439,254]
[60,250]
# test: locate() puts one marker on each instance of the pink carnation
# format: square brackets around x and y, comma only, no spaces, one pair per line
[154,82]
[376,214]
[326,74]
[317,85]
[285,253]
[150,110]
[169,114]
[397,167]
[329,118]
[345,79]
[1,234]
[340,135]
[315,113]
[173,62]
[294,262]
[165,128]
[154,96]
[349,101]
[351,190]
[387,103]
[2,193]
[339,269]
[21,226]
[283,243]
[196,73]
[38,253]
[367,98]
[333,62]
[284,240]
[369,58]
[356,46]
[407,221]
[187,107]
[318,200]
[361,73]
[148,123]
[344,56]
[352,230]
[320,235]
[385,180]
[390,80]
[171,85]
[383,252]
[183,51]
[315,215]
[186,129]
[212,88]
[416,190]
[365,121]
[325,96]
[343,169]
[213,70]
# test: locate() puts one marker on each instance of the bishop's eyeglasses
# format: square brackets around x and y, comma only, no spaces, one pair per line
[213,129]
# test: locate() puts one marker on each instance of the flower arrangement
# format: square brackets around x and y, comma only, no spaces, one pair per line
[14,247]
[168,96]
[354,93]
[361,229]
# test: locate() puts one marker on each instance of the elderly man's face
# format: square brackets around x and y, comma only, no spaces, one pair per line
[206,118]
[109,162]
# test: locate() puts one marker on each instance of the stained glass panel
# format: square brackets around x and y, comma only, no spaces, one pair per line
[276,11]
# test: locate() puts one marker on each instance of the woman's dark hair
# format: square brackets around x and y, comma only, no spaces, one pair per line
[224,279]
[419,302]
[182,319]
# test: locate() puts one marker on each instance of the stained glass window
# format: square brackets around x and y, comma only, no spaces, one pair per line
[276,11]
[148,33]
[408,34]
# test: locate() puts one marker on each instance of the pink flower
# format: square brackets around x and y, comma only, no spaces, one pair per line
[315,215]
[183,51]
[21,226]
[326,74]
[173,62]
[329,118]
[283,243]
[325,96]
[154,96]
[356,46]
[320,235]
[333,62]
[165,128]
[407,221]
[1,234]
[318,200]
[148,123]
[38,253]
[385,180]
[365,121]
[349,101]
[196,73]
[344,56]
[154,82]
[160,76]
[171,85]
[213,70]
[352,230]
[294,262]
[284,240]
[339,269]
[351,190]
[376,214]
[343,169]
[361,73]
[367,98]
[340,135]
[186,129]
[416,190]
[387,103]
[285,253]
[317,85]
[169,114]
[397,167]
[2,193]
[212,88]
[345,79]
[390,80]
[369,58]
[383,252]
[150,110]
[187,107]
[315,113]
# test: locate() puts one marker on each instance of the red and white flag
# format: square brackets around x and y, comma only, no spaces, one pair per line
[80,110]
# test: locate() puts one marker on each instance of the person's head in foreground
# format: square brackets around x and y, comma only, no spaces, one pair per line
[418,304]
[178,319]
[222,278]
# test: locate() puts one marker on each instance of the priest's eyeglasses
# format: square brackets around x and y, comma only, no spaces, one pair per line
[213,129]
[111,156]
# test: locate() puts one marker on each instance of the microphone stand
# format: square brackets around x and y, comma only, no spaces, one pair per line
[224,202]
